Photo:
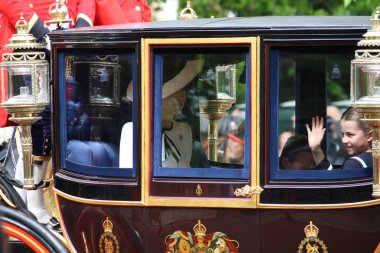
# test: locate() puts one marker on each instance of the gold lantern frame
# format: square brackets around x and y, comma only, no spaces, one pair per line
[30,59]
[367,59]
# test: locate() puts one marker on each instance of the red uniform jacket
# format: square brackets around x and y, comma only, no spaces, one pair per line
[110,12]
[35,12]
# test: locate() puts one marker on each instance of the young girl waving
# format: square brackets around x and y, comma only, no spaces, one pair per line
[356,138]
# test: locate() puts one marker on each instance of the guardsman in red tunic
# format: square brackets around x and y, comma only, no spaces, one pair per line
[110,12]
[35,12]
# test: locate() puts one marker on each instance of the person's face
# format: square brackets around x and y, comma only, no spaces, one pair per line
[354,139]
[173,104]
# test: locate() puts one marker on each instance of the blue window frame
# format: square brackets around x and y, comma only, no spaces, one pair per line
[216,62]
[93,108]
[305,81]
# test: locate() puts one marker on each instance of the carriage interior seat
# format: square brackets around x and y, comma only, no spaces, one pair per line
[80,148]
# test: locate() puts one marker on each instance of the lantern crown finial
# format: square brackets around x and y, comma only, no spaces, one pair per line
[22,39]
[21,25]
[372,36]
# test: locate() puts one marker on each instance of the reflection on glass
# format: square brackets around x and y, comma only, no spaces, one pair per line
[96,114]
[311,85]
[203,110]
[21,85]
[101,83]
[42,93]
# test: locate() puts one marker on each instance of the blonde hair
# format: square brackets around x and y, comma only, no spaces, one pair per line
[352,114]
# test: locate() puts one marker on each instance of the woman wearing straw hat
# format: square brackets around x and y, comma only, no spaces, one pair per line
[177,138]
[178,148]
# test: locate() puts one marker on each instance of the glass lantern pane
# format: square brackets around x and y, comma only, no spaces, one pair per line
[3,84]
[366,82]
[226,81]
[20,85]
[42,87]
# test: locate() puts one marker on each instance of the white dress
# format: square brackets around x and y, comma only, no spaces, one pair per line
[126,146]
[177,145]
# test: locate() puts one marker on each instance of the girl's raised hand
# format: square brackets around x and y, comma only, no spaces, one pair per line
[316,133]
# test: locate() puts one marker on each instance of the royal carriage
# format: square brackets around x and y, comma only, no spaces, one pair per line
[136,170]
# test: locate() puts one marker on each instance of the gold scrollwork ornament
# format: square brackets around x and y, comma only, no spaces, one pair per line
[108,242]
[311,243]
[376,144]
[376,148]
[247,191]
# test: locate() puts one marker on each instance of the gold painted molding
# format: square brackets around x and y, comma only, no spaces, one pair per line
[96,201]
[146,110]
[84,202]
[214,202]
[362,204]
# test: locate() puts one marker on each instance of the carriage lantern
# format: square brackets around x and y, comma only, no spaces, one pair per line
[365,89]
[25,90]
[220,100]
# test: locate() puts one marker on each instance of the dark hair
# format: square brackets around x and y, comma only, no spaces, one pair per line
[295,145]
[352,114]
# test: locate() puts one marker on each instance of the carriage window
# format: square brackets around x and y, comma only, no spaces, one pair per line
[98,112]
[201,125]
[308,83]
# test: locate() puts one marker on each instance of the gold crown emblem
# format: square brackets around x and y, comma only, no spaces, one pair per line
[21,25]
[311,230]
[199,229]
[58,10]
[191,13]
[107,225]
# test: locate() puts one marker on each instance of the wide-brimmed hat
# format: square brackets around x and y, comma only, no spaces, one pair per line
[187,72]
[191,69]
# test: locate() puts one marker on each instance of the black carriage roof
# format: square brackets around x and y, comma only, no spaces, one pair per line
[263,22]
[237,25]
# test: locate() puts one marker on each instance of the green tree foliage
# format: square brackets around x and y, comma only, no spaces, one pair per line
[245,8]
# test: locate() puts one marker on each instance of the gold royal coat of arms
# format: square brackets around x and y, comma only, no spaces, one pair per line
[311,243]
[200,242]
